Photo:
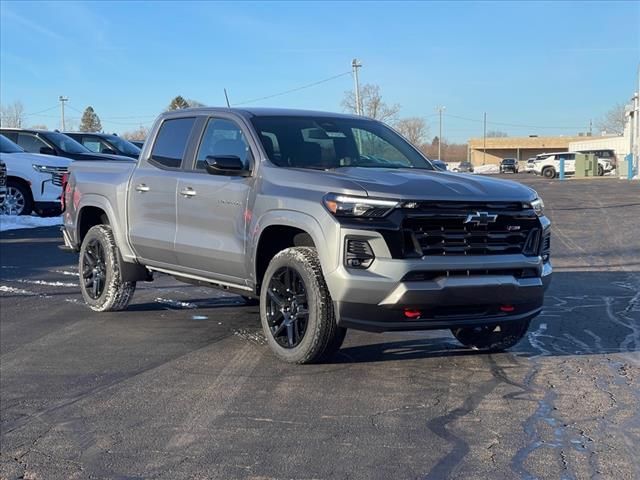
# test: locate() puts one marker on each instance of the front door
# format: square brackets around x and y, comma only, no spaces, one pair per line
[212,209]
[152,194]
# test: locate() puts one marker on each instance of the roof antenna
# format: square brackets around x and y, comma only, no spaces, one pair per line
[227,98]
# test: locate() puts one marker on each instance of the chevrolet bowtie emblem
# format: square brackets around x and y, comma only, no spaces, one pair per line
[481,218]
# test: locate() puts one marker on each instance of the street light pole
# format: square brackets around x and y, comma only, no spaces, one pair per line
[484,139]
[355,65]
[62,99]
[440,110]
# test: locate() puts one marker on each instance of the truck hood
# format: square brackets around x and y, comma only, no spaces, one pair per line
[36,159]
[435,185]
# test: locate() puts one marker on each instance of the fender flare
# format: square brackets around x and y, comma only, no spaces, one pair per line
[295,219]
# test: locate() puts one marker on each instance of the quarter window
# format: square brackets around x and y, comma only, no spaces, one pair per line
[171,142]
[222,137]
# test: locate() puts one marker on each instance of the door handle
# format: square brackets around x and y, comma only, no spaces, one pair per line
[141,187]
[188,192]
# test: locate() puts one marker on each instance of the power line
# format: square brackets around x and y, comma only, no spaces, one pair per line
[35,114]
[511,124]
[294,89]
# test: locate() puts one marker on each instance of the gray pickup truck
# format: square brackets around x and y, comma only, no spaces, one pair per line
[331,221]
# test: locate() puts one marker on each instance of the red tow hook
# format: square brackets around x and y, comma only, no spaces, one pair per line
[412,313]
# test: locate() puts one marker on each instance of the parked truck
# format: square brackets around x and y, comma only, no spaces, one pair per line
[331,221]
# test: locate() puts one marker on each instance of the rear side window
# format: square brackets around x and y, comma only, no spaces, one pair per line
[171,142]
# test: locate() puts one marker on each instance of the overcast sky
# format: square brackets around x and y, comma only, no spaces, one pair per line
[542,68]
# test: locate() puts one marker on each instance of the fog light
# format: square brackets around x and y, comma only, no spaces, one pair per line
[358,254]
[412,313]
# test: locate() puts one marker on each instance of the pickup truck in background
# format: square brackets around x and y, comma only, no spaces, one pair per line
[331,221]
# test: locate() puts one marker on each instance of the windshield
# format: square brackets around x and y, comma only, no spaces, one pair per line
[123,145]
[327,143]
[7,146]
[66,144]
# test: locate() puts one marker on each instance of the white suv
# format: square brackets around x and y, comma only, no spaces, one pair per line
[548,164]
[34,181]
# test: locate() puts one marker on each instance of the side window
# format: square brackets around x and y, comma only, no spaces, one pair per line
[171,142]
[222,137]
[30,143]
[13,136]
[92,144]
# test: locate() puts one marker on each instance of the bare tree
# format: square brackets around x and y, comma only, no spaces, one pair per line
[496,134]
[613,121]
[12,115]
[195,103]
[138,134]
[414,129]
[39,126]
[372,104]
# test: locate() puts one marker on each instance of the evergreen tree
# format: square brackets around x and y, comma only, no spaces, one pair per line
[90,121]
[177,103]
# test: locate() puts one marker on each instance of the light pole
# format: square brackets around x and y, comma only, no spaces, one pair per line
[355,65]
[440,110]
[62,100]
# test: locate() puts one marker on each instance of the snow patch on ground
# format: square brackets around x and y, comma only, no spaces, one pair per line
[13,222]
[486,169]
[175,303]
[66,272]
[18,291]
[44,282]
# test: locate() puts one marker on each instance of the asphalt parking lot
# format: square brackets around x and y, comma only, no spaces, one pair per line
[182,386]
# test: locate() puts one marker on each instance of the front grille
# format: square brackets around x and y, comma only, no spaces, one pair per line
[514,230]
[56,174]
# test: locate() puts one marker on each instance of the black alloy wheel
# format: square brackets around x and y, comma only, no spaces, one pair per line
[287,307]
[94,269]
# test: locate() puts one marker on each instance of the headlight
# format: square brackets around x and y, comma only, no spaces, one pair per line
[347,206]
[44,169]
[538,206]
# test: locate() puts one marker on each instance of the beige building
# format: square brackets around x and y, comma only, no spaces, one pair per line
[521,148]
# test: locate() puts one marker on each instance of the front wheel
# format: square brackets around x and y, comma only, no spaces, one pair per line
[17,200]
[100,279]
[600,170]
[549,172]
[296,310]
[494,337]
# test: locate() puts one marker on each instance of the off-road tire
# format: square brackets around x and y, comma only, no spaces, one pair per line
[116,294]
[549,172]
[492,338]
[322,337]
[600,170]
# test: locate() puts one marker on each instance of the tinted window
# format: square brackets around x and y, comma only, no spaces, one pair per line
[222,137]
[92,144]
[65,143]
[327,143]
[30,142]
[7,146]
[122,145]
[171,142]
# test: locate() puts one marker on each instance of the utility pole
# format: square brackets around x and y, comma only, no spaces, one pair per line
[355,65]
[62,100]
[590,127]
[484,139]
[440,110]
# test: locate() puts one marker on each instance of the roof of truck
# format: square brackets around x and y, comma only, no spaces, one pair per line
[263,112]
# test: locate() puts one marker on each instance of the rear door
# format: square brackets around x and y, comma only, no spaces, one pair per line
[212,209]
[152,193]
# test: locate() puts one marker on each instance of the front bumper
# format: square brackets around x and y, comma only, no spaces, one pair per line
[453,292]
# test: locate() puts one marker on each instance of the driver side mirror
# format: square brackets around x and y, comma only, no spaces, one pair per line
[226,165]
[47,151]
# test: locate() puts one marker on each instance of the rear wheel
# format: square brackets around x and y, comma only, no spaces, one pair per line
[296,308]
[17,200]
[549,172]
[494,337]
[100,279]
[600,170]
